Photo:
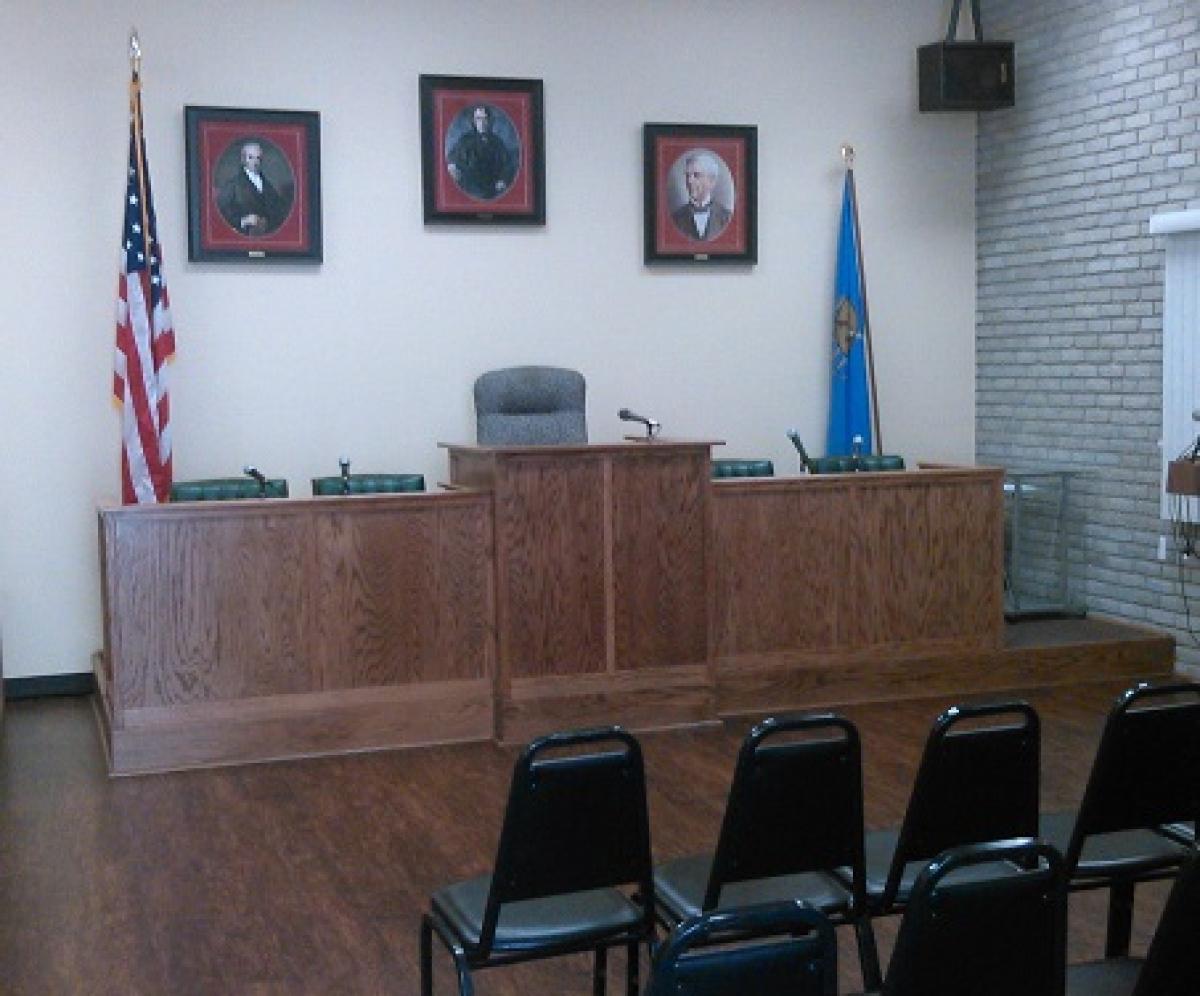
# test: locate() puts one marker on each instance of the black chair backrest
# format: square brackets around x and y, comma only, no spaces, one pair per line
[974,784]
[1172,966]
[796,954]
[795,804]
[987,935]
[575,821]
[1145,772]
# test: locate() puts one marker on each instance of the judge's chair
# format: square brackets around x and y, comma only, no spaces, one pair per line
[530,406]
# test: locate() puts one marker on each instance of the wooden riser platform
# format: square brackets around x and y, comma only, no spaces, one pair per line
[1042,653]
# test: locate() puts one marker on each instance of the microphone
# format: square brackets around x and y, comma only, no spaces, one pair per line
[344,463]
[794,436]
[251,471]
[652,425]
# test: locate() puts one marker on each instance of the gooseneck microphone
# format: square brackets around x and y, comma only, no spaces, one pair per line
[794,436]
[259,477]
[652,425]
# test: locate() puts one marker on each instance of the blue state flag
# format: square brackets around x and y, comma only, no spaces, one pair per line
[849,394]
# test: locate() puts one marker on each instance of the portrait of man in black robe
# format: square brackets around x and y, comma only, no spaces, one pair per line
[483,160]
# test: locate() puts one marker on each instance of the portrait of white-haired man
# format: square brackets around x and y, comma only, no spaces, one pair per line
[248,200]
[702,216]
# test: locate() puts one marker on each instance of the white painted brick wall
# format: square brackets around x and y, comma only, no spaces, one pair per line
[1069,346]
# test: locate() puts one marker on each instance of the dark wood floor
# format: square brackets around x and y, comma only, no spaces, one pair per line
[310,876]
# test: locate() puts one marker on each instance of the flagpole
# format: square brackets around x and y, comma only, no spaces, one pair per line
[135,111]
[848,158]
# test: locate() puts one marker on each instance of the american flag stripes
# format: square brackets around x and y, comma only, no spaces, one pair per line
[145,335]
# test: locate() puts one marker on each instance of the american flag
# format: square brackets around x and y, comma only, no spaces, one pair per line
[145,335]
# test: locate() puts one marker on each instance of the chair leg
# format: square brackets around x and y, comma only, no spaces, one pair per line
[466,985]
[1120,920]
[600,975]
[426,957]
[631,968]
[868,954]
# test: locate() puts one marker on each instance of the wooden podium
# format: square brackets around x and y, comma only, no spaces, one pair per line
[603,582]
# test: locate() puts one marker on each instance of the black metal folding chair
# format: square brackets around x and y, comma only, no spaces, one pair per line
[778,949]
[794,814]
[978,781]
[574,830]
[1143,779]
[1171,966]
[973,929]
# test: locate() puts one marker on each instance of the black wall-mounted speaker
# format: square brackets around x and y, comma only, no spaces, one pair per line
[966,76]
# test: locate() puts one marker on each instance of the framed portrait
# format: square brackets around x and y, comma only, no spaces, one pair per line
[483,153]
[701,193]
[253,185]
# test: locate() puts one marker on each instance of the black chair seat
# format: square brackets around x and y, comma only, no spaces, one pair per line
[1185,833]
[1115,977]
[880,845]
[576,918]
[679,886]
[1137,853]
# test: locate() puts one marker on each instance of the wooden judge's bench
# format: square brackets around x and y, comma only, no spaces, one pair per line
[548,587]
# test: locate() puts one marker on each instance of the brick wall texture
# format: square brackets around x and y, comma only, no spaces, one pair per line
[1069,327]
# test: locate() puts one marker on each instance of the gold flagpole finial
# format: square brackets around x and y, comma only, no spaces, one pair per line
[135,52]
[847,151]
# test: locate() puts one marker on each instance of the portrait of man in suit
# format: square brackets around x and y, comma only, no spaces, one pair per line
[483,152]
[702,216]
[251,201]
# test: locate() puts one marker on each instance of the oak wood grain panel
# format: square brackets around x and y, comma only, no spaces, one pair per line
[550,564]
[779,559]
[660,557]
[638,700]
[756,684]
[923,563]
[219,733]
[210,607]
[404,597]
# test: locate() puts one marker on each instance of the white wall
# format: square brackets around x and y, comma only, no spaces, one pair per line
[373,353]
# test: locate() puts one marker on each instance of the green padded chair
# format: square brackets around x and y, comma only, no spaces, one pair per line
[871,462]
[729,467]
[367,484]
[228,489]
[848,464]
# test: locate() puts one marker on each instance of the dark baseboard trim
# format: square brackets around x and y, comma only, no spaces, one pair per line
[46,686]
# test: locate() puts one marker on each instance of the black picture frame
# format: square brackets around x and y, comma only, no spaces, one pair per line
[726,233]
[229,220]
[483,150]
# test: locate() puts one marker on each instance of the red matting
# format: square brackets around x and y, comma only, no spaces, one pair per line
[668,238]
[292,141]
[517,199]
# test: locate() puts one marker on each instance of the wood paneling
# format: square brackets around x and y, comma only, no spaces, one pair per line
[853,581]
[551,564]
[603,588]
[652,699]
[660,556]
[779,564]
[240,623]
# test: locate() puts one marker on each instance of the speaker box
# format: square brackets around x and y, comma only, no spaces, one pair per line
[966,76]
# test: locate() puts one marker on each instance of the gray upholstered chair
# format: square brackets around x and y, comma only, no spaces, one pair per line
[530,406]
